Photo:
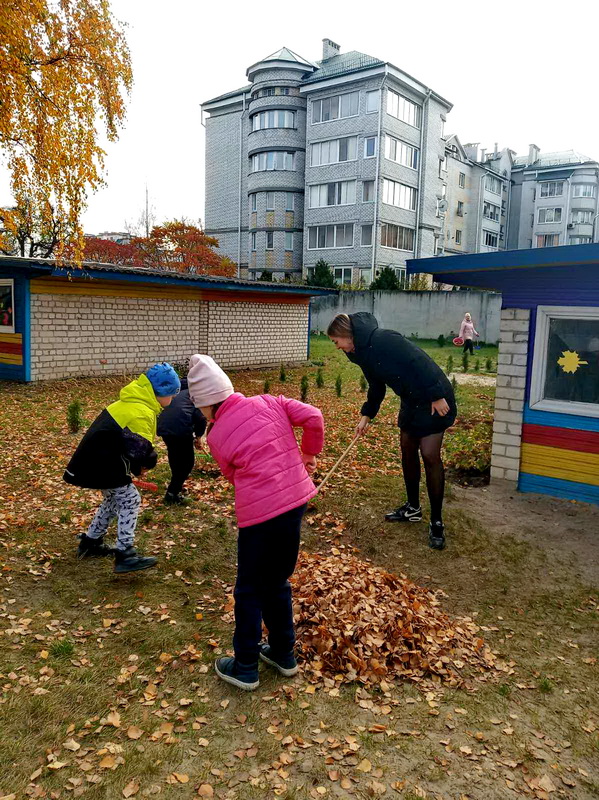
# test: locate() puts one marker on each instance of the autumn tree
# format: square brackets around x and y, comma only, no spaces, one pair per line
[105,251]
[181,246]
[25,232]
[64,65]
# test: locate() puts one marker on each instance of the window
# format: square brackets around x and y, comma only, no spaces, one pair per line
[458,237]
[460,210]
[547,240]
[550,215]
[7,305]
[270,201]
[442,166]
[334,151]
[369,146]
[565,370]
[273,160]
[343,275]
[289,201]
[254,202]
[493,184]
[581,239]
[366,236]
[462,180]
[270,240]
[288,240]
[337,107]
[401,153]
[323,236]
[584,190]
[398,194]
[397,237]
[581,216]
[253,242]
[490,239]
[491,211]
[342,193]
[552,189]
[367,191]
[372,101]
[273,119]
[402,108]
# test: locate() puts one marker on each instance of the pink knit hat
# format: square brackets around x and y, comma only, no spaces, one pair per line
[207,383]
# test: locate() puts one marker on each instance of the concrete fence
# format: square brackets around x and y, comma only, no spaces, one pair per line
[423,314]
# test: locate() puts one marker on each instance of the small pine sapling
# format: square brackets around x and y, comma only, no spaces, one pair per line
[449,367]
[363,383]
[441,340]
[75,416]
[319,378]
[304,388]
[477,365]
[489,364]
[338,385]
[267,386]
[454,385]
[465,362]
[282,374]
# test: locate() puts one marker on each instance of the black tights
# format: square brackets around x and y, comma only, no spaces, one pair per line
[430,448]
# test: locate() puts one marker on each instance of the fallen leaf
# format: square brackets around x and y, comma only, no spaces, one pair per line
[185,701]
[114,719]
[546,784]
[72,745]
[131,788]
[57,765]
[134,732]
[206,790]
[181,777]
[364,765]
[108,762]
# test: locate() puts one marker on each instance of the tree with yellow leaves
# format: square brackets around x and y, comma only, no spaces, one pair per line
[64,65]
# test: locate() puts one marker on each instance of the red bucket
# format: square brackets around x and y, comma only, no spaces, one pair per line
[458,341]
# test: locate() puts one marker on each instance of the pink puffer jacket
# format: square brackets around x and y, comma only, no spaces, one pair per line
[253,442]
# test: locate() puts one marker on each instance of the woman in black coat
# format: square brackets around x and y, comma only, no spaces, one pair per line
[428,407]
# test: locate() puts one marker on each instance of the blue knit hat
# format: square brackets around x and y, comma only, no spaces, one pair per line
[164,379]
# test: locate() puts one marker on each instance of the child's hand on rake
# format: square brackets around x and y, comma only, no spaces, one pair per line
[309,463]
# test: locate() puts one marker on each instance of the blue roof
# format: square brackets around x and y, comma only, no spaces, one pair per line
[567,275]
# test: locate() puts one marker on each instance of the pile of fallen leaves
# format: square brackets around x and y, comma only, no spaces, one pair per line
[356,621]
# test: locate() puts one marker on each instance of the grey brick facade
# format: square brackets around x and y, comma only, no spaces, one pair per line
[286,82]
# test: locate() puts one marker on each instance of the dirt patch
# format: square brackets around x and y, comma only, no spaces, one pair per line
[473,380]
[563,528]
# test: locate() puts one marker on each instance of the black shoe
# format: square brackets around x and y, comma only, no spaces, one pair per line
[436,535]
[287,665]
[171,499]
[129,561]
[405,513]
[244,676]
[93,548]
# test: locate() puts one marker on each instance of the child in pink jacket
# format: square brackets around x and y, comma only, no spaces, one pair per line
[253,442]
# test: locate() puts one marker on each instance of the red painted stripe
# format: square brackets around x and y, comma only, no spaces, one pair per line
[563,438]
[9,347]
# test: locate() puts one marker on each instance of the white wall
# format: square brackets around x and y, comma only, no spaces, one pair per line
[426,314]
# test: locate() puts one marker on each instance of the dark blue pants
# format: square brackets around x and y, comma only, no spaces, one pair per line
[266,557]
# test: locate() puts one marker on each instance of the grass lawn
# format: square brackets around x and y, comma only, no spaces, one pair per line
[106,683]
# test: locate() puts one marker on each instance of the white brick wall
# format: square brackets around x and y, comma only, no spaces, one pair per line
[94,335]
[509,398]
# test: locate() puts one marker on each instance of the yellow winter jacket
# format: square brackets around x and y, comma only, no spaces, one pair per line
[137,408]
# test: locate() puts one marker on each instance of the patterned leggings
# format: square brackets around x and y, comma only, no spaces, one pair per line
[122,503]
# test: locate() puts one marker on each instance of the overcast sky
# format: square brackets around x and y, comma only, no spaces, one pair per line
[516,73]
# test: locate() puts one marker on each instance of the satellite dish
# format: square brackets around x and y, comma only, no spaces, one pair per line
[443,205]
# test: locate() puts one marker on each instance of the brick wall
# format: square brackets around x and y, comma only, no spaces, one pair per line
[509,398]
[73,335]
[257,334]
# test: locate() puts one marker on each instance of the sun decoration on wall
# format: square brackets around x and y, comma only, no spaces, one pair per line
[570,361]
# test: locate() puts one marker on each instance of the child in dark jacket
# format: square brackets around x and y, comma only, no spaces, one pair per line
[118,445]
[180,425]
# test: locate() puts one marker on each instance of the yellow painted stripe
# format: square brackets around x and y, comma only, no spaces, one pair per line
[11,338]
[101,288]
[555,462]
[11,358]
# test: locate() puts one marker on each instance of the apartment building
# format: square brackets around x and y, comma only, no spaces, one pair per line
[555,199]
[477,197]
[342,159]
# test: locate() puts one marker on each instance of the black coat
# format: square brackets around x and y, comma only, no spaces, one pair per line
[389,359]
[108,456]
[181,417]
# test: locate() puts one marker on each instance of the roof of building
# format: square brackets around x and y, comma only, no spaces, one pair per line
[92,269]
[553,159]
[343,64]
[227,95]
[285,54]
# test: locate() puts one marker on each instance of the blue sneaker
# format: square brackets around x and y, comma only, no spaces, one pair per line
[286,665]
[244,676]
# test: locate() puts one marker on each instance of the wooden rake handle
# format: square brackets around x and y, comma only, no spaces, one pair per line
[339,460]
